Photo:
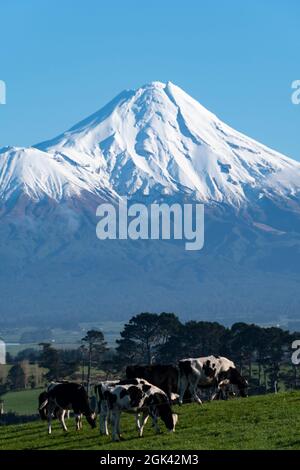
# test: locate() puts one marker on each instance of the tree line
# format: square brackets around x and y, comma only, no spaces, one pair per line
[262,354]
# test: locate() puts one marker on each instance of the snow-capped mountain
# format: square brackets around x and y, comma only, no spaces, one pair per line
[155,139]
[153,143]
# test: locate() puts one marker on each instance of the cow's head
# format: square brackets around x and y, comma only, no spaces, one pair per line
[85,407]
[237,379]
[243,387]
[170,419]
[91,419]
[163,409]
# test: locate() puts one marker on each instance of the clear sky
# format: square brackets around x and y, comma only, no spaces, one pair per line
[63,59]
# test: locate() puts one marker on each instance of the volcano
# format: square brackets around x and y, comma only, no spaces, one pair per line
[153,144]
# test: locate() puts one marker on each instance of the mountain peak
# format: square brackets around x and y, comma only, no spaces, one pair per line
[155,84]
[153,140]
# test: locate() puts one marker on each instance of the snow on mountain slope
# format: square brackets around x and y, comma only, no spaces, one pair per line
[158,137]
[38,174]
[155,139]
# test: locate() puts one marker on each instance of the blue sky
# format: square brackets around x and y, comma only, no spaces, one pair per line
[62,60]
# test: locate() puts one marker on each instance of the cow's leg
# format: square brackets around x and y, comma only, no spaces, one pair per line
[137,421]
[78,421]
[104,414]
[51,409]
[194,389]
[144,420]
[62,420]
[115,416]
[105,426]
[107,416]
[182,388]
[49,422]
[118,425]
[155,424]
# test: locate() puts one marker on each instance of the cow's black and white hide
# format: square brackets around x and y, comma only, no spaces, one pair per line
[67,396]
[103,406]
[137,397]
[209,371]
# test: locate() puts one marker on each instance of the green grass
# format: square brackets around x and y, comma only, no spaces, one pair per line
[264,422]
[24,402]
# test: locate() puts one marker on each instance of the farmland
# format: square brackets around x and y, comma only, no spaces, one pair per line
[23,402]
[261,422]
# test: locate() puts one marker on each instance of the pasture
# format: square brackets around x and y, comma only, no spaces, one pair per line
[260,422]
[22,402]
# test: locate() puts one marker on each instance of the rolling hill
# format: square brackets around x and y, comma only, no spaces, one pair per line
[262,422]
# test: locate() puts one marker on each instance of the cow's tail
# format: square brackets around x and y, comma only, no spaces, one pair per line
[43,409]
[45,403]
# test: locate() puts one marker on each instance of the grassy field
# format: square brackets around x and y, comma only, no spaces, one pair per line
[264,422]
[24,402]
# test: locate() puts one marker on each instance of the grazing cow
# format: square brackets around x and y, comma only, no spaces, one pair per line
[162,376]
[209,371]
[103,408]
[138,396]
[65,396]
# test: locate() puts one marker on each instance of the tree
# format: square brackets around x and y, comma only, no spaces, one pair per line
[9,358]
[16,377]
[49,359]
[96,346]
[244,343]
[30,354]
[26,369]
[277,340]
[144,335]
[194,339]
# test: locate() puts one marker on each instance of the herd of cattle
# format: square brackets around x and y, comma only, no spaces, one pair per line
[146,391]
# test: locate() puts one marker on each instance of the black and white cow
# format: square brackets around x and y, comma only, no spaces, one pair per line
[209,371]
[61,397]
[138,396]
[103,405]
